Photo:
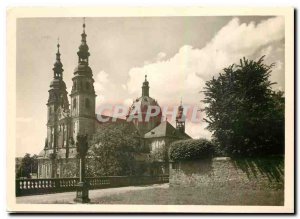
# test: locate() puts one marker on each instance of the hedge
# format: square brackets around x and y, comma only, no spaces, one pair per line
[192,149]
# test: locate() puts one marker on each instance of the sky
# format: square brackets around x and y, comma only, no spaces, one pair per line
[179,54]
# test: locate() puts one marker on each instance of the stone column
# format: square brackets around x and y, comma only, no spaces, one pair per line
[82,192]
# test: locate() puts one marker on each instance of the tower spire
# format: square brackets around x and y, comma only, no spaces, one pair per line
[58,53]
[83,25]
[57,69]
[83,53]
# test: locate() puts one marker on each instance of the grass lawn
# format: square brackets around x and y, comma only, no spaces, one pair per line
[195,196]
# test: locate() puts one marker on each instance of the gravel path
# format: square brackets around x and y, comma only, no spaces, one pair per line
[67,197]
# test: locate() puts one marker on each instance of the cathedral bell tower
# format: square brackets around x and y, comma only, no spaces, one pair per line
[58,100]
[83,94]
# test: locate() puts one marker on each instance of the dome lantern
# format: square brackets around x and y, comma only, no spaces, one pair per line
[145,88]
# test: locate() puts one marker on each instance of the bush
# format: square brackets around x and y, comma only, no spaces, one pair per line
[191,149]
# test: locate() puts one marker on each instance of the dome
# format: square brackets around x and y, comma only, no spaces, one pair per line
[139,110]
[138,114]
[141,104]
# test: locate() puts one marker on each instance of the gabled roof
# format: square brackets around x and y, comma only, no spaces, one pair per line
[165,129]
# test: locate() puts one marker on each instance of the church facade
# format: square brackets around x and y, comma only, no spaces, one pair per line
[67,119]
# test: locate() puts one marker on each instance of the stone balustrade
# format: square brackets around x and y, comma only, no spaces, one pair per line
[44,186]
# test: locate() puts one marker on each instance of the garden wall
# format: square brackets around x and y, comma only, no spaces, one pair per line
[255,173]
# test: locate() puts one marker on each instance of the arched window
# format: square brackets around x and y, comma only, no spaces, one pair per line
[87,103]
[74,104]
[87,85]
[75,85]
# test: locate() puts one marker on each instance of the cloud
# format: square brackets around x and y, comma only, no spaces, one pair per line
[266,51]
[160,56]
[184,74]
[101,85]
[100,80]
[124,87]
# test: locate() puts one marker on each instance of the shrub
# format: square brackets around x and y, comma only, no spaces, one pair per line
[192,149]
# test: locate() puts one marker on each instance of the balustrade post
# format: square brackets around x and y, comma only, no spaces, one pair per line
[82,191]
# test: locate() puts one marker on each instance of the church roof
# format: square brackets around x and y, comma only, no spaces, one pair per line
[165,129]
[110,123]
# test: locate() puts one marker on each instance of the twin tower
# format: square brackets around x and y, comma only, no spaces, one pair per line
[65,121]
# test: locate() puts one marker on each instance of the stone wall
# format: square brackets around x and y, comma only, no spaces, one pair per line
[258,173]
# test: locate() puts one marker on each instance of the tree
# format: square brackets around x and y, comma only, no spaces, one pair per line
[245,115]
[112,150]
[28,166]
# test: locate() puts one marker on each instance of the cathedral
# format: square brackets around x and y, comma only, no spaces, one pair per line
[70,116]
